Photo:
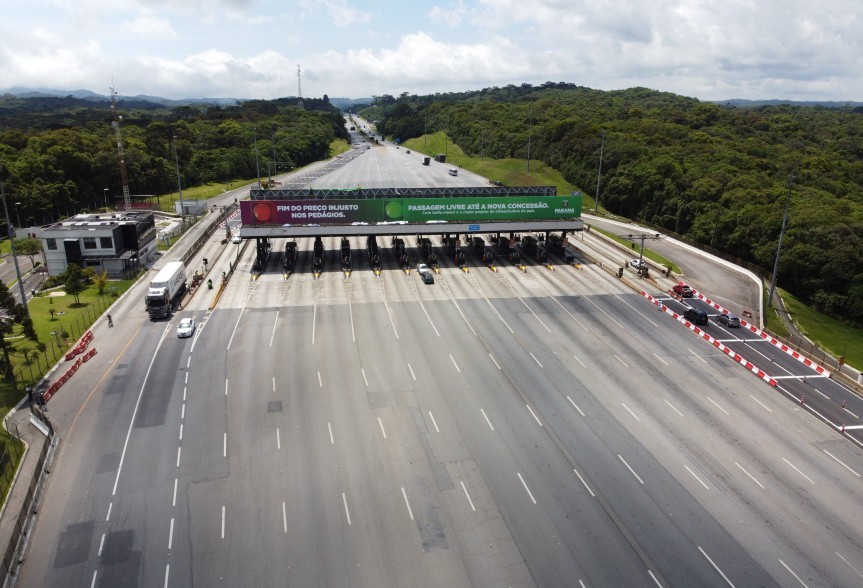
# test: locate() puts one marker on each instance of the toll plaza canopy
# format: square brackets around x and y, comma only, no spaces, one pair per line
[306,212]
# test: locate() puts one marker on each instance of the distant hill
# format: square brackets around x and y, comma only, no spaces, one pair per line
[96,97]
[743,103]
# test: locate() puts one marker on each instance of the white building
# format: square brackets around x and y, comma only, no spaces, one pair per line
[116,243]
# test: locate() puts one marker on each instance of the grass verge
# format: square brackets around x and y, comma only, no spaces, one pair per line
[835,336]
[634,247]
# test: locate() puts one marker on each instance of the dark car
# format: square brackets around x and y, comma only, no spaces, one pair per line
[729,320]
[695,316]
[428,277]
[683,290]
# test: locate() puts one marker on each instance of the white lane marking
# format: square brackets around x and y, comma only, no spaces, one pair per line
[458,308]
[174,501]
[239,318]
[188,361]
[486,419]
[408,504]
[412,372]
[632,471]
[580,583]
[621,361]
[630,412]
[534,314]
[572,402]
[320,381]
[694,475]
[849,563]
[535,359]
[717,406]
[659,358]
[469,501]
[314,317]
[761,403]
[570,314]
[108,516]
[434,422]
[93,581]
[226,386]
[534,415]
[223,521]
[644,316]
[526,488]
[135,412]
[275,322]
[284,517]
[330,427]
[696,355]
[181,431]
[654,579]
[185,389]
[583,482]
[748,474]
[390,316]
[611,318]
[796,577]
[351,314]
[454,363]
[672,407]
[171,535]
[278,439]
[101,545]
[381,423]
[497,313]
[183,411]
[431,322]
[186,379]
[851,413]
[363,370]
[716,567]
[808,407]
[167,575]
[579,361]
[347,512]
[225,445]
[839,461]
[798,471]
[822,393]
[179,450]
[494,360]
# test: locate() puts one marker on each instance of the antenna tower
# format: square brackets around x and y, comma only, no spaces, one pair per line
[299,90]
[121,158]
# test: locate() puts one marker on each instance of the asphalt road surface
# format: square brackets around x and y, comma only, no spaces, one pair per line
[508,428]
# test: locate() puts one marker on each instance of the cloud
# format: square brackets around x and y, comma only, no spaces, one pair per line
[451,16]
[150,27]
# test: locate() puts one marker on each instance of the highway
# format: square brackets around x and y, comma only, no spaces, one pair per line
[508,428]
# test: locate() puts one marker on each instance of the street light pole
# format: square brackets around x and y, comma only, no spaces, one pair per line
[17,215]
[14,257]
[179,185]
[599,174]
[106,198]
[779,247]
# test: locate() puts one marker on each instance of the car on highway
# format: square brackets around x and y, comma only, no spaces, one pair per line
[695,316]
[453,171]
[423,268]
[729,320]
[682,290]
[638,264]
[428,277]
[186,328]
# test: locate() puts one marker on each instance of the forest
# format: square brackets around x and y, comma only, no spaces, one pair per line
[718,174]
[57,155]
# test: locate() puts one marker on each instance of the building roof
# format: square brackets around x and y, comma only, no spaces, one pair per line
[81,222]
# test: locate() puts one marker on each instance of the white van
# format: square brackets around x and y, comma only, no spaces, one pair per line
[453,171]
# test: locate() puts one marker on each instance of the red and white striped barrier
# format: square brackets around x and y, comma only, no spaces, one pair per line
[725,349]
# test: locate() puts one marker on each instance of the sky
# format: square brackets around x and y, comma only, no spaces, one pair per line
[707,49]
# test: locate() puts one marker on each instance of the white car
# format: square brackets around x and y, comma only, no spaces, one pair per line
[235,238]
[186,328]
[638,263]
[422,268]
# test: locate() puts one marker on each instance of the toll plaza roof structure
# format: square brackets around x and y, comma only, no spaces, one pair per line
[288,213]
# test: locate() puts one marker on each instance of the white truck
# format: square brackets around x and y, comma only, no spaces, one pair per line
[166,289]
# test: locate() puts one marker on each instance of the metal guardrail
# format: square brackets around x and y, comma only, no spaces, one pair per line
[372,193]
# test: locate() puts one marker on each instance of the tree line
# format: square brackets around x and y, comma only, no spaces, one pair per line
[58,155]
[719,174]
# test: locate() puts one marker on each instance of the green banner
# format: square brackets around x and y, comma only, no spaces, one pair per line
[488,208]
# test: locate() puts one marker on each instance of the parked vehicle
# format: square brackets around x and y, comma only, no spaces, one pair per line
[695,316]
[638,264]
[682,290]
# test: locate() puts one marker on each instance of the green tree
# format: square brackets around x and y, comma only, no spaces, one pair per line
[13,321]
[29,247]
[101,282]
[75,281]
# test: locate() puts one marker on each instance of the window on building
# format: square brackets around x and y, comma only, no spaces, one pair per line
[106,243]
[89,242]
[51,244]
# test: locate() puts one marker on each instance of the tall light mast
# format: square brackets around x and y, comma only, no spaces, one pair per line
[121,158]
[299,90]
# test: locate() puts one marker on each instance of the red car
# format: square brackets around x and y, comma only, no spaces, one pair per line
[683,290]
